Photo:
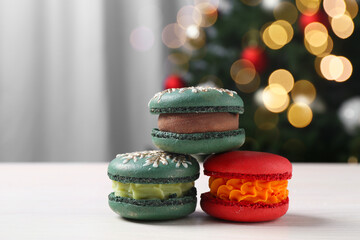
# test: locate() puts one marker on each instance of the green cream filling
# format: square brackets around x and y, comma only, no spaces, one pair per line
[150,191]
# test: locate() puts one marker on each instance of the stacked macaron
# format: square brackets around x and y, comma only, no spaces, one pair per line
[247,186]
[197,120]
[156,185]
[153,185]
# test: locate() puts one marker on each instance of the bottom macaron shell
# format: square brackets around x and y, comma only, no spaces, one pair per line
[193,143]
[234,211]
[153,212]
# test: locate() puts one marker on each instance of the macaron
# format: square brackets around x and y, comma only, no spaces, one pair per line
[197,120]
[153,185]
[247,186]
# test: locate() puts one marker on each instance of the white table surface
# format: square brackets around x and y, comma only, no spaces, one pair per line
[69,201]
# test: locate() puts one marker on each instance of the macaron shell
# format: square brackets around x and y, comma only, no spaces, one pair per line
[196,143]
[153,167]
[241,213]
[196,99]
[165,212]
[248,165]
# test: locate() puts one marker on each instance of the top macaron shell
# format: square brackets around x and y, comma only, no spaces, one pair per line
[153,167]
[248,165]
[196,99]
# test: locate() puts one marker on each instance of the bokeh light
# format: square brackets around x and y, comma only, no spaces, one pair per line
[275,98]
[196,37]
[282,77]
[192,32]
[251,86]
[334,8]
[316,33]
[188,16]
[205,4]
[264,119]
[323,50]
[286,11]
[242,71]
[335,68]
[270,4]
[142,39]
[343,26]
[303,92]
[299,115]
[317,40]
[277,34]
[352,8]
[308,7]
[173,35]
[347,70]
[209,13]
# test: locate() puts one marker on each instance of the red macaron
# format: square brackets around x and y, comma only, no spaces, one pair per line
[246,186]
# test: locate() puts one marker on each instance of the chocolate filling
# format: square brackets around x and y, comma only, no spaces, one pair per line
[198,122]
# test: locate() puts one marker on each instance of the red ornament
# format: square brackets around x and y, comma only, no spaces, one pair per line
[320,17]
[257,56]
[174,81]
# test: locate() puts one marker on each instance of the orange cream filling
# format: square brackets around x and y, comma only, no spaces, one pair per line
[249,190]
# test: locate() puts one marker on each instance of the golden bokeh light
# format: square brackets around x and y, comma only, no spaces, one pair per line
[206,6]
[303,92]
[342,26]
[275,98]
[317,40]
[299,115]
[277,34]
[352,8]
[242,71]
[282,77]
[268,41]
[286,11]
[251,2]
[315,27]
[264,119]
[209,14]
[321,51]
[334,8]
[251,86]
[331,67]
[173,35]
[196,37]
[308,7]
[347,70]
[317,62]
[188,16]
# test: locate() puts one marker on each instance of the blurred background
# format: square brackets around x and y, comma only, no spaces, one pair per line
[76,76]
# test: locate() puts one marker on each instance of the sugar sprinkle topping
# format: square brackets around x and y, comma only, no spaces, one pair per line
[156,157]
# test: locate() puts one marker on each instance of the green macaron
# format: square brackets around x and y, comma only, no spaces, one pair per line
[153,185]
[197,120]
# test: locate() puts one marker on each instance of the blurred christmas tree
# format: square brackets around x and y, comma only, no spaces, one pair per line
[292,63]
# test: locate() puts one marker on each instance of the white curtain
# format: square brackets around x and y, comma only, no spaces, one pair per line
[71,86]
